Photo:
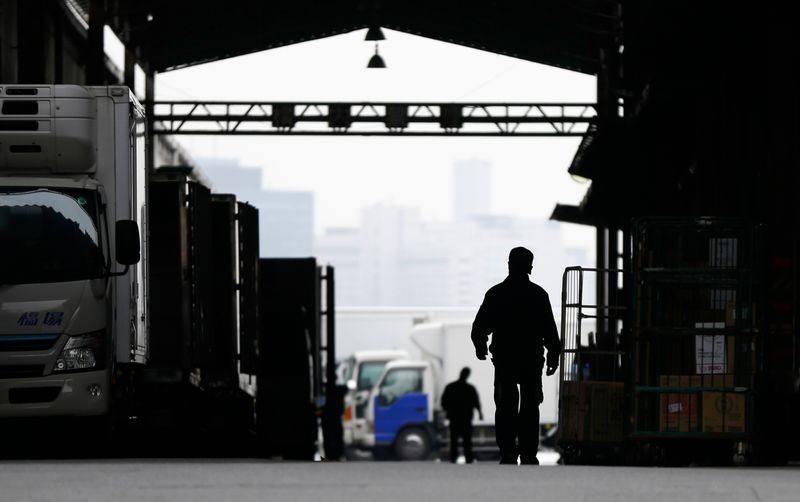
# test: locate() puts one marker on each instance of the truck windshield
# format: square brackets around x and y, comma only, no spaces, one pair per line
[368,374]
[49,235]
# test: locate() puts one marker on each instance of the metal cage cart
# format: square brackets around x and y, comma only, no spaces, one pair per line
[593,368]
[695,339]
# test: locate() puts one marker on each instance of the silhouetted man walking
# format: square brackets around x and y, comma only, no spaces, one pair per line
[458,400]
[518,315]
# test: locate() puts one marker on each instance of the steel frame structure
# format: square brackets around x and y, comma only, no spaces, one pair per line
[372,119]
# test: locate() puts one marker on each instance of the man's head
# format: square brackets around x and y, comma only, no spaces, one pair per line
[464,374]
[520,261]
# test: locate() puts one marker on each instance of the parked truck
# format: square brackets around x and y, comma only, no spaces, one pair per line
[404,410]
[73,296]
[359,373]
[404,415]
[138,298]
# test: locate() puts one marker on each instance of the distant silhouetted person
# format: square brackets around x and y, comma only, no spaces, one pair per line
[518,315]
[459,399]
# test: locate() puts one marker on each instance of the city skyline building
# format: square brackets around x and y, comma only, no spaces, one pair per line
[286,218]
[395,258]
[472,185]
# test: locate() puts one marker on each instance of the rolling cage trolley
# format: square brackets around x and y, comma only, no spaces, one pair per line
[664,373]
[593,366]
[695,340]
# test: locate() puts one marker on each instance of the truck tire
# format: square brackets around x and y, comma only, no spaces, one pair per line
[413,444]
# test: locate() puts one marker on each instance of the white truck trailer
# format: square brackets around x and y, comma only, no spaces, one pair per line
[72,204]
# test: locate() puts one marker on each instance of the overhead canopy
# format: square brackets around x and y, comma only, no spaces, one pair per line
[167,35]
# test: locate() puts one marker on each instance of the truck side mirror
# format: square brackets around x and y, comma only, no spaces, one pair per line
[127,242]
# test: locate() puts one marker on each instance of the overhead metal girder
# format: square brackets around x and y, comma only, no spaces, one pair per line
[372,119]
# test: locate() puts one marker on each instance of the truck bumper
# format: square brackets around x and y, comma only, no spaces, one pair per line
[357,434]
[72,394]
[368,441]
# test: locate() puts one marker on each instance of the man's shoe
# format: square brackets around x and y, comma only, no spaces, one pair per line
[508,460]
[529,460]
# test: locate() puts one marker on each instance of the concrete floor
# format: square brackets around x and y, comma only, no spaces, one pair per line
[253,480]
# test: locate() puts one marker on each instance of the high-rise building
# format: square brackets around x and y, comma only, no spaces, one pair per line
[286,218]
[471,188]
[287,224]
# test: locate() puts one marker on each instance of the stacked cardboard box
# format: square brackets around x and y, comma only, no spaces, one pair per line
[606,411]
[723,412]
[678,411]
[571,413]
[592,411]
[706,411]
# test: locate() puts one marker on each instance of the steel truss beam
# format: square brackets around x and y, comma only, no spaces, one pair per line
[372,119]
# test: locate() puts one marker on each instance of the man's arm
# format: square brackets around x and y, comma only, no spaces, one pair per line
[446,397]
[551,341]
[477,402]
[481,328]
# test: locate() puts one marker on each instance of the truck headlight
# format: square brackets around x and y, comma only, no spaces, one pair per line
[82,352]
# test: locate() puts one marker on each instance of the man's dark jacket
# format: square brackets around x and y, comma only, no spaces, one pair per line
[459,399]
[518,315]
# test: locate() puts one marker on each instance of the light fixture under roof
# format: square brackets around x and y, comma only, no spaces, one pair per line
[376,61]
[374,33]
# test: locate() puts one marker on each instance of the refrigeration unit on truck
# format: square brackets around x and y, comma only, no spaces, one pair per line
[359,373]
[72,202]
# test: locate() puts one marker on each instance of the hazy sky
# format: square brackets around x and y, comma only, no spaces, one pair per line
[348,173]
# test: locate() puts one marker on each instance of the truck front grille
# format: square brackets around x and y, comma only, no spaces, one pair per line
[22,371]
[16,343]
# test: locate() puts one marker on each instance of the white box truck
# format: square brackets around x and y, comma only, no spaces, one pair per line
[72,201]
[404,412]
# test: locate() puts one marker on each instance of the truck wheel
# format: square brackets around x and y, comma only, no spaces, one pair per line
[413,444]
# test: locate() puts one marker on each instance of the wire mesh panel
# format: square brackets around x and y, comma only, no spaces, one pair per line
[695,328]
[593,366]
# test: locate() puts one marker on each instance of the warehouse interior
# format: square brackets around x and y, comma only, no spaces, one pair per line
[696,122]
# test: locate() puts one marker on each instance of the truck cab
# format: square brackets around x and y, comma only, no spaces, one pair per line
[360,372]
[402,411]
